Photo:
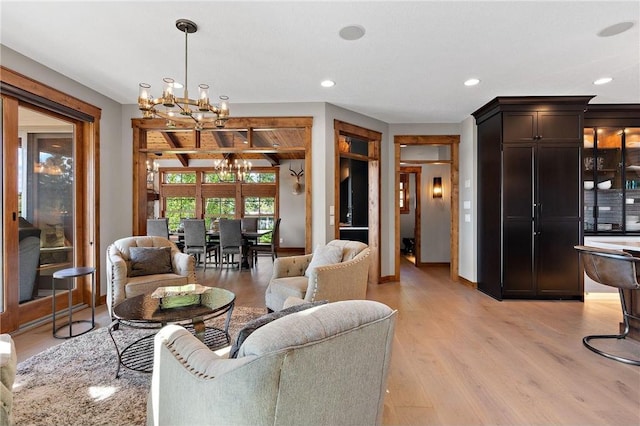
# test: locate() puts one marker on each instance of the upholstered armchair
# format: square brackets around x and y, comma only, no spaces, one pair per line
[337,271]
[8,365]
[326,365]
[139,265]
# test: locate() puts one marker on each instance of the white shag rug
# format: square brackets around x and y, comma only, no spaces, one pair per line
[74,382]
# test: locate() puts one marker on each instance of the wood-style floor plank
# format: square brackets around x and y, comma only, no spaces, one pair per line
[463,358]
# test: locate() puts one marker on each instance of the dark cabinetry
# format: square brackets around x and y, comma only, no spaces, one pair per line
[611,170]
[529,201]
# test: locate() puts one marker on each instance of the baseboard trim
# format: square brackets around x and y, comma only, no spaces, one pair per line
[468,283]
[602,296]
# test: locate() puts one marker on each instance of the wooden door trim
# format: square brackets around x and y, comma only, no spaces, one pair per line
[453,141]
[374,139]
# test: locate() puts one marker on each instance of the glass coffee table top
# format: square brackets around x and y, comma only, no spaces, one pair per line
[146,309]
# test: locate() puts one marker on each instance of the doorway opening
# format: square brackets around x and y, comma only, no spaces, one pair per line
[445,173]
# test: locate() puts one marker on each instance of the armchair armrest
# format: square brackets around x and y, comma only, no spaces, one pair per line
[183,264]
[340,281]
[116,277]
[291,266]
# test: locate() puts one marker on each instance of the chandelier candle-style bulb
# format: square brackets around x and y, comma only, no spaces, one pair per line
[203,97]
[168,99]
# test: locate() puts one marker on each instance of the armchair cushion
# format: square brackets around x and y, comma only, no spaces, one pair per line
[150,261]
[324,255]
[255,324]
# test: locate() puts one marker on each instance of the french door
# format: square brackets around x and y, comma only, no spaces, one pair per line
[49,220]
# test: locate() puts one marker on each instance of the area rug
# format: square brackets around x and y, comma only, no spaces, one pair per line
[74,382]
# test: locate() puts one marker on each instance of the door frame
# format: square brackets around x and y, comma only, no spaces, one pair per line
[19,90]
[453,141]
[374,139]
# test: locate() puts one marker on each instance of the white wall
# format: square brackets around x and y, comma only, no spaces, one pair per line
[467,243]
[292,207]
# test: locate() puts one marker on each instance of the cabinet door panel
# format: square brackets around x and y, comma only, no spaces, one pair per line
[518,180]
[560,126]
[559,185]
[519,126]
[558,269]
[518,278]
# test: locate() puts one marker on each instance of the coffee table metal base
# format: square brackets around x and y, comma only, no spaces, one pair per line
[138,356]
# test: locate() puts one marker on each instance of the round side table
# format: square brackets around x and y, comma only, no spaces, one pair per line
[68,274]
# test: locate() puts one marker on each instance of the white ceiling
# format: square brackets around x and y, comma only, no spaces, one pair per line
[408,68]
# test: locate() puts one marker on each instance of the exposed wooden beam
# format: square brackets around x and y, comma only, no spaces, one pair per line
[173,142]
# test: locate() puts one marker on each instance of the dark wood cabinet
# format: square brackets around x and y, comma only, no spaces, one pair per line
[529,201]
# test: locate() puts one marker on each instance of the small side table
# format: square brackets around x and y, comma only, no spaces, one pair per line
[70,273]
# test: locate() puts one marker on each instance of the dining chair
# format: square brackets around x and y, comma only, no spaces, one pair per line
[195,241]
[270,248]
[231,241]
[249,224]
[158,228]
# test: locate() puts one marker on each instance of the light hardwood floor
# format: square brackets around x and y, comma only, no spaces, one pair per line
[463,358]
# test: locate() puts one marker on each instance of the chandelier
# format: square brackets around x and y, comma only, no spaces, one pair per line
[179,109]
[225,168]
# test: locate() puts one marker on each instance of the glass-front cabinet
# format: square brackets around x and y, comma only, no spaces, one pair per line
[611,180]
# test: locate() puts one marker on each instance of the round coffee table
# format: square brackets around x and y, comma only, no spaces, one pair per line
[144,312]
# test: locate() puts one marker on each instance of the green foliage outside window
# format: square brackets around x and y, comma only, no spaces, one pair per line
[264,209]
[215,208]
[179,208]
[176,177]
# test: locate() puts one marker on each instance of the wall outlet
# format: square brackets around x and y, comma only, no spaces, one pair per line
[281,240]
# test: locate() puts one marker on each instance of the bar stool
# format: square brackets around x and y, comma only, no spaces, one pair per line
[614,268]
[68,274]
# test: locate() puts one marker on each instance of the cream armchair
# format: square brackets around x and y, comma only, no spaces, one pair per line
[326,365]
[152,272]
[344,280]
[8,363]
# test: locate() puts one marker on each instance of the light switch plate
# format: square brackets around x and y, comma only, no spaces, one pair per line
[467,218]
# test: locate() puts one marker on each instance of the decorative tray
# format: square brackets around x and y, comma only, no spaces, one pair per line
[179,295]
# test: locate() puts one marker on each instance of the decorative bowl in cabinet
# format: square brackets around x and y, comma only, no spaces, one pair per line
[588,184]
[604,185]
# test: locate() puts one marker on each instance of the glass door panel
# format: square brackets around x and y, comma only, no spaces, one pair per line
[631,138]
[46,206]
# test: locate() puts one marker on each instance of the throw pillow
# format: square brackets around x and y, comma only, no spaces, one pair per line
[255,324]
[149,261]
[52,235]
[324,255]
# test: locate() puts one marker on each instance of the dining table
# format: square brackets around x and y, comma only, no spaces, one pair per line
[247,237]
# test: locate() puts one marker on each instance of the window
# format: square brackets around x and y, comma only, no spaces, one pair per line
[175,177]
[217,207]
[264,209]
[404,193]
[219,177]
[260,177]
[179,208]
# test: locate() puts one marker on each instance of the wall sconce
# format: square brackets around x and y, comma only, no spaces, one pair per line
[437,187]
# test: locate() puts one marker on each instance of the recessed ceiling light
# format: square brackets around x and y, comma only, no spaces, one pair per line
[404,145]
[471,82]
[615,29]
[328,83]
[603,80]
[352,32]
